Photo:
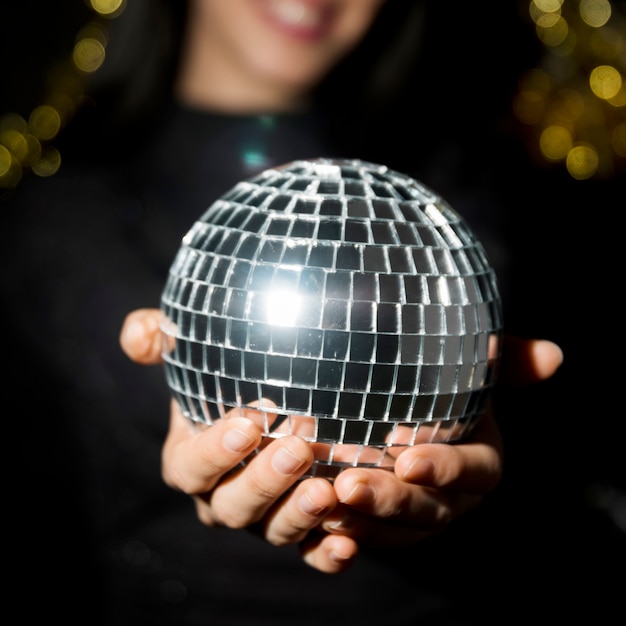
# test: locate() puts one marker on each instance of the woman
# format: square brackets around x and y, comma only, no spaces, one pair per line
[256,83]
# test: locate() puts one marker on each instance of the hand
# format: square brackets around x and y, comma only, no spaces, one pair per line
[431,485]
[266,495]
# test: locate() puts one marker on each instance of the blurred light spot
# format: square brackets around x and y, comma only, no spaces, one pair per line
[88,54]
[605,81]
[582,161]
[618,139]
[268,122]
[547,6]
[587,105]
[254,159]
[548,20]
[552,30]
[12,176]
[22,141]
[44,122]
[108,8]
[63,104]
[48,163]
[596,13]
[555,143]
[34,150]
[539,8]
[16,143]
[619,99]
[13,121]
[5,160]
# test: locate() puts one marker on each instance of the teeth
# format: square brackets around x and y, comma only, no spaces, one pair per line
[294,13]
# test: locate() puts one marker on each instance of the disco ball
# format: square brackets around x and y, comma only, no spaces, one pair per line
[348,303]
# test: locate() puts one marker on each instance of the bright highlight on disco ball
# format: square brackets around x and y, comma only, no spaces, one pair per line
[347,303]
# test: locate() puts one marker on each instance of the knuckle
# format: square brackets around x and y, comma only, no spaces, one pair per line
[232,512]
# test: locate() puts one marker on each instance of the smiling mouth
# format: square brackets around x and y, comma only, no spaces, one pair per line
[299,17]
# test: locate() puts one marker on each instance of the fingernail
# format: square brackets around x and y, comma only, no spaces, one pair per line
[284,462]
[236,440]
[308,506]
[338,558]
[337,525]
[361,491]
[422,468]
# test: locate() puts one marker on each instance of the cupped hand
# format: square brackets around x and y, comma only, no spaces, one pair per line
[431,485]
[237,478]
[264,494]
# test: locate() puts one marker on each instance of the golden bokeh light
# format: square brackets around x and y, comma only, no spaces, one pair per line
[10,171]
[16,143]
[552,30]
[576,96]
[33,151]
[108,8]
[555,143]
[27,144]
[582,161]
[605,81]
[546,6]
[13,121]
[5,160]
[596,13]
[48,163]
[88,54]
[619,99]
[44,122]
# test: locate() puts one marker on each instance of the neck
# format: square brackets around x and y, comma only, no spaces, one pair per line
[221,92]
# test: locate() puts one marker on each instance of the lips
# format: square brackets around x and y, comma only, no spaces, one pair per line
[304,19]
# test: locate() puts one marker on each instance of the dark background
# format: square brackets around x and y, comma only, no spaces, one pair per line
[558,523]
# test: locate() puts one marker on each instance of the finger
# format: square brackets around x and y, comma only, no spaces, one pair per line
[526,361]
[141,338]
[300,512]
[472,466]
[401,530]
[378,509]
[247,495]
[194,460]
[433,513]
[330,554]
[379,493]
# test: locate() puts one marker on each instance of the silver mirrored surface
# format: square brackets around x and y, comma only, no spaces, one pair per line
[348,301]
